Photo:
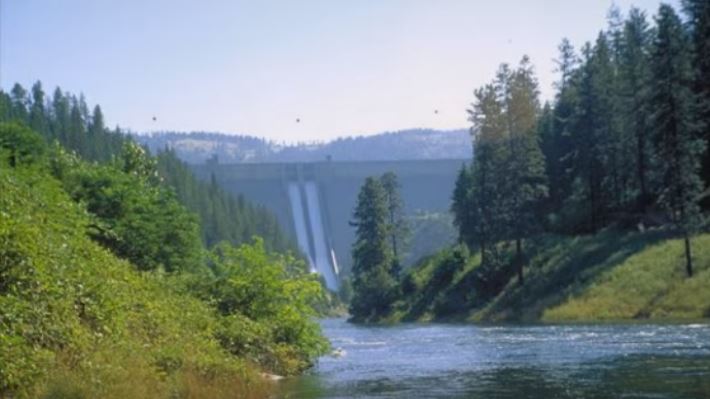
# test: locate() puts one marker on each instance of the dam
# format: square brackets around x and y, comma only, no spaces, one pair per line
[314,201]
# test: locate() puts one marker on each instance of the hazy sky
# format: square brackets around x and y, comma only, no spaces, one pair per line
[254,67]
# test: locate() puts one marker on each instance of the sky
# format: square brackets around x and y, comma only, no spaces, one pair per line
[256,67]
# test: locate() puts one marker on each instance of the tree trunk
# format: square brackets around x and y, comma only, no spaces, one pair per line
[519,260]
[688,255]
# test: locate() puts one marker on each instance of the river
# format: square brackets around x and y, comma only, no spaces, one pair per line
[510,361]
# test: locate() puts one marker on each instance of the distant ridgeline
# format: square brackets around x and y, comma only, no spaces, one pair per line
[67,118]
[317,199]
[198,147]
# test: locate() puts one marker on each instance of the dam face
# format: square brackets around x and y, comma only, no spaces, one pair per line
[314,201]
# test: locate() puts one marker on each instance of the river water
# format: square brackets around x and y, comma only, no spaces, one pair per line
[543,361]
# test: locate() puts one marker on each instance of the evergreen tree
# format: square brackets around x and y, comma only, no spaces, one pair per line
[678,144]
[524,180]
[373,283]
[38,115]
[19,102]
[698,12]
[634,82]
[462,207]
[594,137]
[556,135]
[486,195]
[396,223]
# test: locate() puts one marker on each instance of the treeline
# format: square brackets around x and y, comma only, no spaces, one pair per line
[621,145]
[106,289]
[66,118]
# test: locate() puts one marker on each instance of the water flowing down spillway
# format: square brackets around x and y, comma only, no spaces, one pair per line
[299,222]
[322,252]
[311,232]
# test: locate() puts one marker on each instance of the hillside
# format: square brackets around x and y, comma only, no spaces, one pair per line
[413,144]
[608,276]
[107,290]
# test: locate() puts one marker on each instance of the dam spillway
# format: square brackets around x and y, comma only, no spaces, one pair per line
[310,231]
[332,187]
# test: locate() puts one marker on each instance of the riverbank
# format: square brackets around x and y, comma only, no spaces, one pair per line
[608,276]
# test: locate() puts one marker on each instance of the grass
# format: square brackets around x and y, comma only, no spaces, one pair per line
[649,284]
[608,276]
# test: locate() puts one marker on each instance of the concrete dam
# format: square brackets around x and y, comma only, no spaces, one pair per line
[314,201]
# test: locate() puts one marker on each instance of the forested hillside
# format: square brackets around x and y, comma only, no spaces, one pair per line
[66,118]
[412,144]
[107,289]
[620,149]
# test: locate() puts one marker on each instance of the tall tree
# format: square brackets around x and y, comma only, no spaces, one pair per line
[19,101]
[556,141]
[698,12]
[38,115]
[373,283]
[488,131]
[524,180]
[396,223]
[462,207]
[678,144]
[634,81]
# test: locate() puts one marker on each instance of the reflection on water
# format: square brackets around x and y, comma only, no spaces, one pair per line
[463,361]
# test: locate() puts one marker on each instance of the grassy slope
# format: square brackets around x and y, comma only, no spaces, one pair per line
[78,322]
[608,276]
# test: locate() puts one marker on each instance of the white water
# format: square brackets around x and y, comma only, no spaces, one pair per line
[322,255]
[299,221]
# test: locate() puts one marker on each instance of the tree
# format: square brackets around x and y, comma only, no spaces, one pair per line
[698,12]
[462,207]
[373,283]
[557,141]
[595,138]
[396,223]
[524,180]
[634,82]
[19,102]
[37,116]
[486,194]
[678,144]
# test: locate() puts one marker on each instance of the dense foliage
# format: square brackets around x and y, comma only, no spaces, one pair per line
[618,153]
[107,291]
[381,230]
[621,146]
[66,119]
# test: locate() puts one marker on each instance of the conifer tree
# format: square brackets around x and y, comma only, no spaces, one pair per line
[372,279]
[678,145]
[462,207]
[698,12]
[396,223]
[489,131]
[634,82]
[525,182]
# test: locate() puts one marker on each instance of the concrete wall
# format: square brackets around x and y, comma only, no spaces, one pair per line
[426,185]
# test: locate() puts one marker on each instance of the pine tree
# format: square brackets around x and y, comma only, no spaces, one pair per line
[698,12]
[489,130]
[396,223]
[524,180]
[19,101]
[634,82]
[38,115]
[462,207]
[557,145]
[678,145]
[373,283]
